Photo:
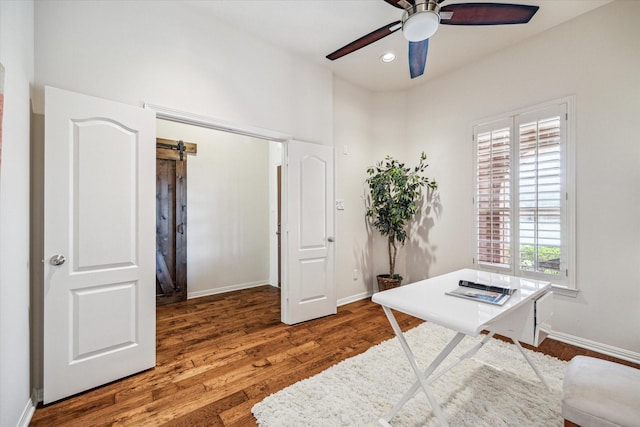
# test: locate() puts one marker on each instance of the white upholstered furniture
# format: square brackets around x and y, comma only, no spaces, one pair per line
[600,393]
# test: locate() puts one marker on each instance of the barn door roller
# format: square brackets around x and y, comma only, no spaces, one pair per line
[180,146]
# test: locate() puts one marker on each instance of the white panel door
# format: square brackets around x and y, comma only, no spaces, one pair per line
[99,242]
[309,288]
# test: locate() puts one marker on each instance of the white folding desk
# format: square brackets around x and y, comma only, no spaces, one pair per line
[524,317]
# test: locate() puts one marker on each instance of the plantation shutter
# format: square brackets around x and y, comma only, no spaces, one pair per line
[522,192]
[493,193]
[541,193]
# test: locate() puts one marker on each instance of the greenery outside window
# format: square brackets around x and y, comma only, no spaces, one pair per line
[524,194]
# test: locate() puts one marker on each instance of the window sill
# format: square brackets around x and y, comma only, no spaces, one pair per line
[565,291]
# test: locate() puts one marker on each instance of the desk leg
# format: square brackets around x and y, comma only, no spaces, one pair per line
[538,373]
[422,377]
[467,355]
[430,377]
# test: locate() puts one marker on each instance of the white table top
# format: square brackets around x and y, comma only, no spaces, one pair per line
[427,300]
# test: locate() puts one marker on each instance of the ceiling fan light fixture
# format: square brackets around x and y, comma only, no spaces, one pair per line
[420,21]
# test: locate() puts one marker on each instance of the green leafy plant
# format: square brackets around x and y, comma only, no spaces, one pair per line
[395,191]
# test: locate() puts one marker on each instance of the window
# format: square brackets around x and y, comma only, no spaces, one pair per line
[522,194]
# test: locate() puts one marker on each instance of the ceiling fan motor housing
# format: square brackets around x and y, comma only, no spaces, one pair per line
[420,21]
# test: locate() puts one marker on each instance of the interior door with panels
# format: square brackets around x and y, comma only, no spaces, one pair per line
[309,289]
[99,211]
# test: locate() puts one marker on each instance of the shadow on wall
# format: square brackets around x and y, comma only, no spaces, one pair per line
[420,254]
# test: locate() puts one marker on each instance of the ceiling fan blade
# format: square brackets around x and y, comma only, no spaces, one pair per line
[401,4]
[366,40]
[418,57]
[486,14]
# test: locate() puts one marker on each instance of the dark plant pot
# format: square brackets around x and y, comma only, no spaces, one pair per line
[385,281]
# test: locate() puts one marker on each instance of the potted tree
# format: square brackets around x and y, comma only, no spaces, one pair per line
[395,191]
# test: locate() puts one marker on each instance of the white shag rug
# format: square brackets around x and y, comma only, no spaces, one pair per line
[496,387]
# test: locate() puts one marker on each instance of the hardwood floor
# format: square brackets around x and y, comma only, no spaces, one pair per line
[219,355]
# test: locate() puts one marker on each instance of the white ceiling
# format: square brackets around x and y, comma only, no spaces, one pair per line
[314,28]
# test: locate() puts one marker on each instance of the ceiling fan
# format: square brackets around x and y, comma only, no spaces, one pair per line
[421,19]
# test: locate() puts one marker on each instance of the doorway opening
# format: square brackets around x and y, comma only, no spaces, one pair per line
[232,215]
[307,280]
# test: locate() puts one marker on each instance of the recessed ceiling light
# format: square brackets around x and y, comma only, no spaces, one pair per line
[388,57]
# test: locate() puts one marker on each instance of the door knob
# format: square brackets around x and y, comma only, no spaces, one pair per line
[331,239]
[57,260]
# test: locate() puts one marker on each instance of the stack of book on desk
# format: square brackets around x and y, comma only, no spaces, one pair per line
[480,292]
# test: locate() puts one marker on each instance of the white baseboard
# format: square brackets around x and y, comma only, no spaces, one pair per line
[224,289]
[28,411]
[354,298]
[609,350]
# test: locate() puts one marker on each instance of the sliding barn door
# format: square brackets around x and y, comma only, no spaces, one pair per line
[99,296]
[171,226]
[309,288]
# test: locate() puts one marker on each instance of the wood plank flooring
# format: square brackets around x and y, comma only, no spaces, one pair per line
[219,355]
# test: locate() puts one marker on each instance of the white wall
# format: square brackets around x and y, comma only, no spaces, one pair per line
[602,69]
[353,150]
[171,54]
[370,127]
[227,209]
[390,136]
[16,54]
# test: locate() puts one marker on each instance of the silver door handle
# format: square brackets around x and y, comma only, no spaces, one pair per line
[57,260]
[331,239]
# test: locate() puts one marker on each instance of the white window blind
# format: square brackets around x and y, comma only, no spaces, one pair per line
[521,216]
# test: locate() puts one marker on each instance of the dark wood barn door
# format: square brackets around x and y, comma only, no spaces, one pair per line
[171,221]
